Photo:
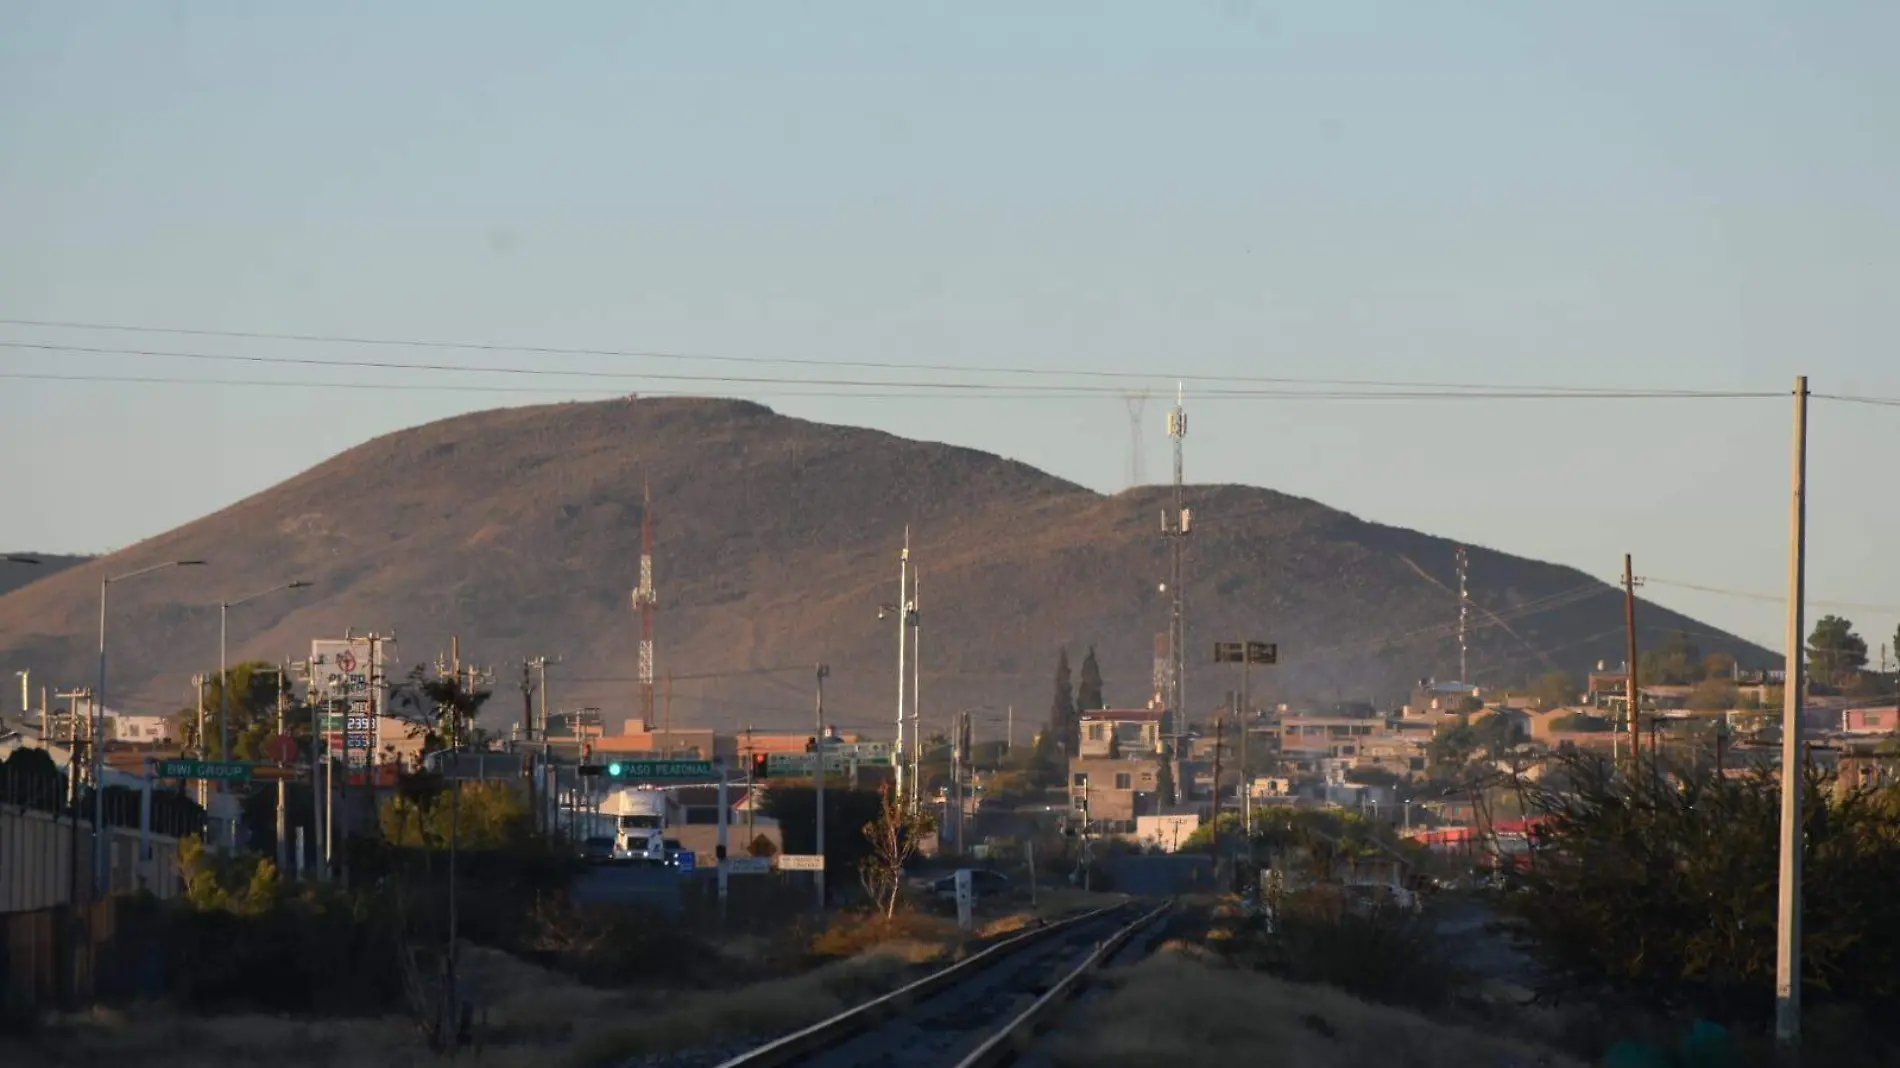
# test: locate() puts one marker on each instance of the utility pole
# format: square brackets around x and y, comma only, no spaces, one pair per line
[916,687]
[1219,744]
[72,699]
[645,601]
[1464,614]
[201,681]
[1176,525]
[527,700]
[1632,687]
[1009,732]
[1793,780]
[751,787]
[817,778]
[899,754]
[283,787]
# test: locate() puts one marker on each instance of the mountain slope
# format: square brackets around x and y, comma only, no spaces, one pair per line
[13,576]
[519,531]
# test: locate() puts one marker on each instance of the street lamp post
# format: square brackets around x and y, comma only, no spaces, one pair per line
[99,873]
[224,674]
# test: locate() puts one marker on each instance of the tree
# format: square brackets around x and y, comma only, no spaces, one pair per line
[456,706]
[1554,690]
[252,709]
[1661,886]
[1088,696]
[1062,723]
[1715,694]
[1835,652]
[893,837]
[795,807]
[1677,663]
[1718,666]
[1164,775]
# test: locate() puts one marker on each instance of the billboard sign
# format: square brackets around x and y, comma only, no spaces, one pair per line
[346,677]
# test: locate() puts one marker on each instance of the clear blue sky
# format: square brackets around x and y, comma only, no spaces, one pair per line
[1598,195]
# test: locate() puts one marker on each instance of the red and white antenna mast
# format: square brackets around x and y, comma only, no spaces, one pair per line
[645,601]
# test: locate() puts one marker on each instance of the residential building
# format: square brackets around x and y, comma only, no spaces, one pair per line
[1114,792]
[1870,720]
[1121,732]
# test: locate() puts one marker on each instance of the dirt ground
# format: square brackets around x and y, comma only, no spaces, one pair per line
[1181,1007]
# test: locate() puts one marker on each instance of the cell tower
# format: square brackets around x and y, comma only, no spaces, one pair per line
[644,602]
[1137,460]
[1177,523]
[1464,616]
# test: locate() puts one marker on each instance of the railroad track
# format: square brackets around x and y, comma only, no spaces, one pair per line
[978,1013]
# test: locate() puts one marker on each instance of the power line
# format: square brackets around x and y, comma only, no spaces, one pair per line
[915,390]
[1513,392]
[1772,598]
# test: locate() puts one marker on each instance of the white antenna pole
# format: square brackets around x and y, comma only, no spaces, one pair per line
[899,754]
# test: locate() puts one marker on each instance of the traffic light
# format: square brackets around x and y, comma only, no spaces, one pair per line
[811,745]
[614,769]
[758,766]
[591,769]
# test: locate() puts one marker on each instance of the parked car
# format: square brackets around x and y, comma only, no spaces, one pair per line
[598,850]
[673,851]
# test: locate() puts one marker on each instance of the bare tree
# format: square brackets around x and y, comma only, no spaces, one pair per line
[894,836]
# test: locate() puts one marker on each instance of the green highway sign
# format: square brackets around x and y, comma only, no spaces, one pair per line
[658,770]
[214,770]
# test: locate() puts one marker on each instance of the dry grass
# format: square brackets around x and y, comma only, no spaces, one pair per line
[534,1019]
[1180,1007]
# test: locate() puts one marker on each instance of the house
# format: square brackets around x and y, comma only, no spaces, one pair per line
[1120,732]
[129,729]
[1870,720]
[1114,792]
[1431,695]
[1315,734]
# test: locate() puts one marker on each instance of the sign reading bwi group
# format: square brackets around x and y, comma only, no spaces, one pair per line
[347,679]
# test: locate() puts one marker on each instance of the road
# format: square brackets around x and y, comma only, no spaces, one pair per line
[617,885]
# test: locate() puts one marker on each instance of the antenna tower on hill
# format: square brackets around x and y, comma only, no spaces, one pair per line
[1137,460]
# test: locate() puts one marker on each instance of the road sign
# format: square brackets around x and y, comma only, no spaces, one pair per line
[212,770]
[282,749]
[661,770]
[801,862]
[689,862]
[273,773]
[748,865]
[1246,652]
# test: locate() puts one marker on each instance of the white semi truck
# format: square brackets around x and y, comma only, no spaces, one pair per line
[639,824]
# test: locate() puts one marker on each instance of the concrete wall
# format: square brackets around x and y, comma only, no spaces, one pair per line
[36,860]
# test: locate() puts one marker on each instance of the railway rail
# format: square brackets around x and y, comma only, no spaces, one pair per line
[981,1012]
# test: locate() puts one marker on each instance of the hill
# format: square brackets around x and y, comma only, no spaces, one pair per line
[14,576]
[519,531]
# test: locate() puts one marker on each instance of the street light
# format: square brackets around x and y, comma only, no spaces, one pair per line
[224,675]
[99,873]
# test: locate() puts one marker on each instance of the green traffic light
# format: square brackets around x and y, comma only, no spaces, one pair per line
[614,770]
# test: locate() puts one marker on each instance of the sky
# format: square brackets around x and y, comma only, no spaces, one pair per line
[1020,216]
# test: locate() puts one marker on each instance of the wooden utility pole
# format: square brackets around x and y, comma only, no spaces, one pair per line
[1218,745]
[1788,905]
[1632,688]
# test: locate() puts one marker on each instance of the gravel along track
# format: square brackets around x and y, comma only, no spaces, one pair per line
[946,1026]
[1136,949]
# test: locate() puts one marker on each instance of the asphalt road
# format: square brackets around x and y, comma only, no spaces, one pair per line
[616,885]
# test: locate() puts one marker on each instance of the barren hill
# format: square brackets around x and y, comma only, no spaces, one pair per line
[13,576]
[519,531]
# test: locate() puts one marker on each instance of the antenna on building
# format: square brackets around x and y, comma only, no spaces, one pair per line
[1137,458]
[645,600]
[1464,613]
[1176,525]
